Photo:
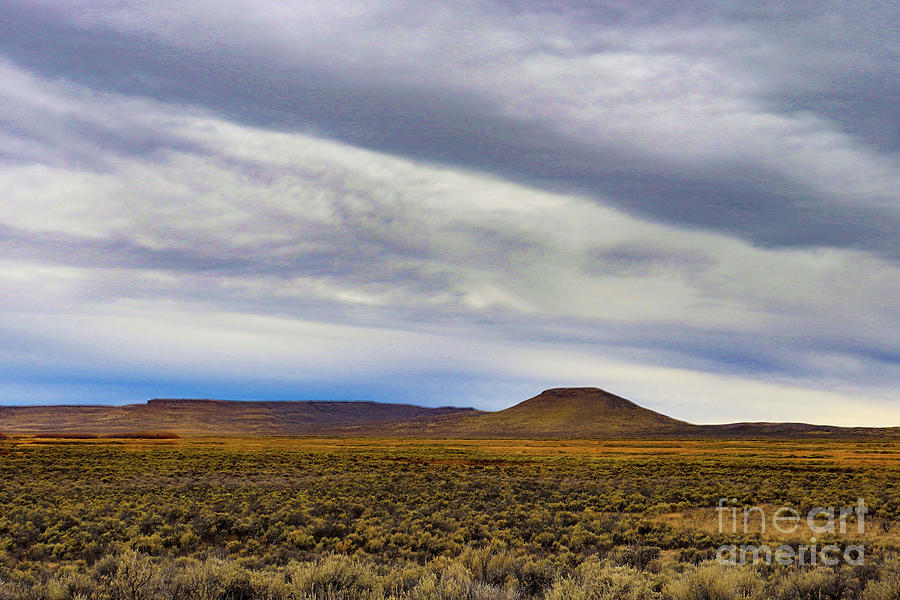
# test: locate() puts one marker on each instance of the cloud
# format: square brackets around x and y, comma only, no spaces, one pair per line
[272,356]
[299,262]
[693,206]
[707,116]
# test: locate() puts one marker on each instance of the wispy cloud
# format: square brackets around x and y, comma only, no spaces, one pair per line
[449,203]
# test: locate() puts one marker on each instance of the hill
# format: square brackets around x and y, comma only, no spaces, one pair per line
[566,412]
[218,417]
[556,413]
[585,413]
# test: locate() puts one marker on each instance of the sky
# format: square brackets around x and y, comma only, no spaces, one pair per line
[693,205]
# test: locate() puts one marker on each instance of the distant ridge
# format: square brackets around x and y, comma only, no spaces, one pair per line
[575,413]
[572,412]
[188,416]
[590,412]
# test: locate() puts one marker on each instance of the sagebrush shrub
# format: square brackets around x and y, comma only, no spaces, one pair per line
[602,581]
[712,581]
[887,588]
[334,578]
[815,584]
[456,583]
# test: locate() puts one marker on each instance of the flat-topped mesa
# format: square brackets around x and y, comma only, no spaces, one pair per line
[181,401]
[566,412]
[584,394]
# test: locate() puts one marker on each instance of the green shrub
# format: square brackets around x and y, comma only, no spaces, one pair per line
[887,588]
[495,568]
[334,578]
[535,577]
[127,576]
[456,583]
[712,581]
[815,584]
[602,581]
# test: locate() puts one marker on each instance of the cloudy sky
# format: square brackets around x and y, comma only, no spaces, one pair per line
[694,205]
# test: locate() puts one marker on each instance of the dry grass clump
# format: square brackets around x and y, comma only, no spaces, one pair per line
[131,575]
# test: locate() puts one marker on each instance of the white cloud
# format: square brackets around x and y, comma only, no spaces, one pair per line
[272,200]
[230,248]
[181,341]
[686,93]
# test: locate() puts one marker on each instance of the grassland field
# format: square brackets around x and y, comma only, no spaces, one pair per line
[407,518]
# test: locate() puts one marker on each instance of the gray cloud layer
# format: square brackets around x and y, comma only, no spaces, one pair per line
[694,196]
[553,100]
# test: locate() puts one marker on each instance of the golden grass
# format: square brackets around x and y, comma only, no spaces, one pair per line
[855,452]
[695,471]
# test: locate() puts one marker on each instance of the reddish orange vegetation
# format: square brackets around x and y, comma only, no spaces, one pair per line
[145,435]
[50,435]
